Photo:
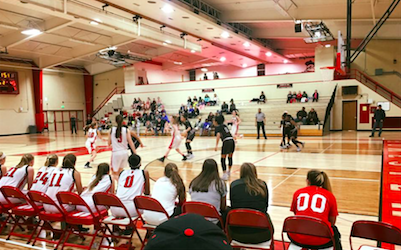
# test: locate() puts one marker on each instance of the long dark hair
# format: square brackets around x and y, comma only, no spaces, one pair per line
[254,186]
[51,160]
[171,172]
[319,179]
[69,161]
[209,174]
[102,169]
[25,160]
[119,120]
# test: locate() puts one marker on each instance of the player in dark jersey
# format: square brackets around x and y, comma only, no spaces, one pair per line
[136,140]
[291,130]
[283,145]
[190,134]
[228,148]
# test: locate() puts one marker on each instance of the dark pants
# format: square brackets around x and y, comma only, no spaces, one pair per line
[377,123]
[261,125]
[73,128]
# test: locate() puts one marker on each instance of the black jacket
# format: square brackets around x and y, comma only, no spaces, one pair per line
[379,115]
[302,114]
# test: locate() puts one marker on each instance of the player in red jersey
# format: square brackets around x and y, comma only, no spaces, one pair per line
[316,200]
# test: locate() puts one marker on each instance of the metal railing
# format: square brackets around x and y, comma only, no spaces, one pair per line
[116,90]
[329,108]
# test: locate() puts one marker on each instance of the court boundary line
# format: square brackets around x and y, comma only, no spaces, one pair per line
[281,182]
[23,245]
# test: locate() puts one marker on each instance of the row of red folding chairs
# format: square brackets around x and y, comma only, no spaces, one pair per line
[17,215]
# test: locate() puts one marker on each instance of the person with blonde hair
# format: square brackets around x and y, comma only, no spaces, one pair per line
[2,162]
[166,190]
[41,182]
[251,193]
[316,200]
[19,176]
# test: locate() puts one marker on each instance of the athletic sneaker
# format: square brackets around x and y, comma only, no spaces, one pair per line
[162,159]
[289,145]
[299,149]
[283,147]
[190,156]
[225,176]
[303,144]
[184,158]
[87,166]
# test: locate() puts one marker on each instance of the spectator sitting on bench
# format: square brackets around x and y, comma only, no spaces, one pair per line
[206,126]
[224,108]
[207,99]
[232,106]
[312,117]
[289,97]
[301,116]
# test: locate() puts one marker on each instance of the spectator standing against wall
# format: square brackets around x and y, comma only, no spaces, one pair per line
[260,120]
[315,96]
[73,121]
[379,117]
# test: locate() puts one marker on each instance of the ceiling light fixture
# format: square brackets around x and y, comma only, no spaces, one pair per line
[167,41]
[167,9]
[222,59]
[244,65]
[193,51]
[327,45]
[285,61]
[98,20]
[225,34]
[246,44]
[178,63]
[204,69]
[269,54]
[94,23]
[31,32]
[165,44]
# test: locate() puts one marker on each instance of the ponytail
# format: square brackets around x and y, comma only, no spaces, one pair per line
[119,120]
[69,161]
[51,160]
[319,179]
[102,170]
[171,172]
[25,160]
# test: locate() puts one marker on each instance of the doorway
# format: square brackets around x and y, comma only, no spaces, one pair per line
[349,115]
[60,120]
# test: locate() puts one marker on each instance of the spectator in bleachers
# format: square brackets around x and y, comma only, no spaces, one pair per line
[196,111]
[289,97]
[294,97]
[299,96]
[207,99]
[224,108]
[181,110]
[148,127]
[166,190]
[312,117]
[232,106]
[157,126]
[206,126]
[147,104]
[204,76]
[210,117]
[315,96]
[198,123]
[304,97]
[195,99]
[320,204]
[262,98]
[189,101]
[209,188]
[301,116]
[252,193]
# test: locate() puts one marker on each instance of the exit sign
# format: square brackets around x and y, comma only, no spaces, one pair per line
[9,82]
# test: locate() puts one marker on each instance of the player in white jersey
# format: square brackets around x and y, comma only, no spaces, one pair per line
[90,144]
[63,179]
[119,139]
[236,121]
[131,183]
[2,162]
[101,182]
[42,180]
[175,140]
[18,176]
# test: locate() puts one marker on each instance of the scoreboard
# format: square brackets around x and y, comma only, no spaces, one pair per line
[9,82]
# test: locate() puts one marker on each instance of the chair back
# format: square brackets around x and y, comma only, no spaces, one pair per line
[42,198]
[70,198]
[14,193]
[205,209]
[108,200]
[249,218]
[148,203]
[378,231]
[306,225]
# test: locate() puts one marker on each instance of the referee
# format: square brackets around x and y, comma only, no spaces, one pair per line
[260,120]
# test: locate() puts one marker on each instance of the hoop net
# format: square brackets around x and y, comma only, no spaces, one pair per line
[327,73]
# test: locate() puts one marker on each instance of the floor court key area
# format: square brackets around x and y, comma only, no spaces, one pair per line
[351,159]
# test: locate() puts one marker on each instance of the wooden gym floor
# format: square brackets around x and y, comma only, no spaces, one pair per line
[351,159]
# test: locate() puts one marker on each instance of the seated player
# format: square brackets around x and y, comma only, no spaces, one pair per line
[3,170]
[101,182]
[166,190]
[131,183]
[18,176]
[64,179]
[252,193]
[42,180]
[209,188]
[316,200]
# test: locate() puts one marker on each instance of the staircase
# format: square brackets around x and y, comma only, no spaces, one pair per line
[112,102]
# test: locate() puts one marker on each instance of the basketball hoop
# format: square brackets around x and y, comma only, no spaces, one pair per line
[327,73]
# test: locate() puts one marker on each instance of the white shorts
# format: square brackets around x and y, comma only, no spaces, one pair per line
[175,142]
[90,146]
[52,209]
[234,129]
[119,160]
[119,212]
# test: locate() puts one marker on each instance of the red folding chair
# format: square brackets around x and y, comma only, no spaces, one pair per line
[251,219]
[111,200]
[47,218]
[151,204]
[22,215]
[306,225]
[377,231]
[5,210]
[205,209]
[75,218]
